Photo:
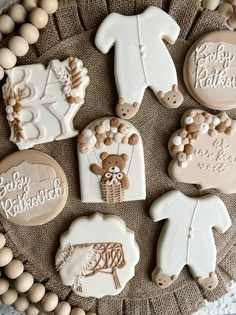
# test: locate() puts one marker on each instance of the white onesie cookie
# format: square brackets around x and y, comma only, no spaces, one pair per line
[187,238]
[141,58]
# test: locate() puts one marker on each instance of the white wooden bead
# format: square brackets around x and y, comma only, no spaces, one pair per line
[18,13]
[21,304]
[49,302]
[7,60]
[2,240]
[210,4]
[63,308]
[14,269]
[225,10]
[29,32]
[77,311]
[38,17]
[7,25]
[49,6]
[30,4]
[18,45]
[9,297]
[24,282]
[4,285]
[5,256]
[32,310]
[36,293]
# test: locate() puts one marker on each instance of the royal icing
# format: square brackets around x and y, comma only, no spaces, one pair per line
[204,151]
[42,103]
[111,162]
[33,188]
[187,237]
[141,57]
[97,256]
[209,70]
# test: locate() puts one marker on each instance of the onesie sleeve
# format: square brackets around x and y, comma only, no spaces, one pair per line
[169,28]
[105,36]
[220,215]
[161,208]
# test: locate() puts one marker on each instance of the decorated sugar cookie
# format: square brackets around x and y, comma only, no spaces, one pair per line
[97,256]
[33,188]
[111,162]
[204,151]
[209,70]
[141,58]
[187,237]
[42,103]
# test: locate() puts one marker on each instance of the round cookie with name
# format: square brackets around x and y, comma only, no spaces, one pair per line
[33,188]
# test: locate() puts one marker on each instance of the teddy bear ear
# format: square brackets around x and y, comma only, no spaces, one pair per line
[211,274]
[103,155]
[135,105]
[125,157]
[160,94]
[159,270]
[175,88]
[121,100]
[174,277]
[199,280]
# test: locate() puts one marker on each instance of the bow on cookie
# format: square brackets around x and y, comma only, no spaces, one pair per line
[113,178]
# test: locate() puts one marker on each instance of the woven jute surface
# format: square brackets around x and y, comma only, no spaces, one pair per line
[70,32]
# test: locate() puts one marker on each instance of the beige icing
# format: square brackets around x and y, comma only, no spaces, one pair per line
[209,70]
[213,163]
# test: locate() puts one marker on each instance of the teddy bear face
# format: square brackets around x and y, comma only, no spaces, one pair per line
[113,163]
[161,279]
[208,283]
[172,99]
[126,110]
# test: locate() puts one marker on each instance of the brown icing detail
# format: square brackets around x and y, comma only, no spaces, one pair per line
[122,129]
[134,139]
[115,123]
[161,279]
[101,137]
[99,145]
[174,149]
[107,258]
[109,141]
[209,283]
[171,99]
[221,127]
[188,149]
[81,139]
[75,76]
[192,128]
[84,148]
[126,110]
[113,179]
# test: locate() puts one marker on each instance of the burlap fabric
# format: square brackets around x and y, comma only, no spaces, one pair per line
[71,32]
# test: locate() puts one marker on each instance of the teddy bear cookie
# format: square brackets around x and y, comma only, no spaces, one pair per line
[42,103]
[111,162]
[141,58]
[187,237]
[33,188]
[97,256]
[204,151]
[209,70]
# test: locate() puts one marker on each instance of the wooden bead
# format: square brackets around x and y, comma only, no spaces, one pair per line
[91,313]
[18,45]
[77,311]
[18,13]
[39,18]
[7,25]
[24,282]
[63,308]
[7,58]
[9,297]
[21,304]
[2,240]
[225,10]
[29,4]
[32,310]
[14,269]
[210,4]
[5,256]
[36,293]
[4,285]
[49,6]
[29,32]
[49,302]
